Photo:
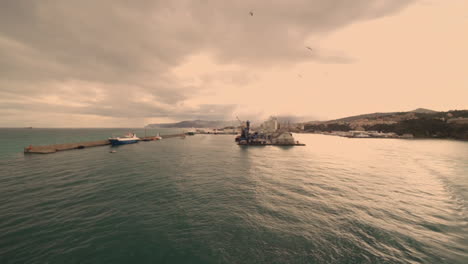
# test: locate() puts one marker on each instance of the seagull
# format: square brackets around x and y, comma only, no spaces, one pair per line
[251,13]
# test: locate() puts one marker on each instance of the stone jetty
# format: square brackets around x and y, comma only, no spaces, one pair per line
[69,146]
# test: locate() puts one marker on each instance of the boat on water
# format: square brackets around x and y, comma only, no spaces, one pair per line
[158,137]
[191,132]
[128,138]
[151,138]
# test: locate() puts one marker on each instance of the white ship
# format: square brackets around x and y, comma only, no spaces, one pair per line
[129,138]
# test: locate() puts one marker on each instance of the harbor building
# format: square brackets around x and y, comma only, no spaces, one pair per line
[269,133]
[282,138]
[270,126]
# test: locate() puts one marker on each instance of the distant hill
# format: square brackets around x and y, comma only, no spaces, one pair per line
[357,117]
[195,124]
[379,115]
[422,123]
[423,111]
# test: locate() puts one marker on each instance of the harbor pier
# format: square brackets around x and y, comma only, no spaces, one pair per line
[47,149]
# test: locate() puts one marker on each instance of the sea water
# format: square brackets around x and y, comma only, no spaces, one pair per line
[203,199]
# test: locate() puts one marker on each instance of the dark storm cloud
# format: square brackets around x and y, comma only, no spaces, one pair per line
[127,47]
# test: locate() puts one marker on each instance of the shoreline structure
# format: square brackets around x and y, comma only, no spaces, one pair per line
[47,149]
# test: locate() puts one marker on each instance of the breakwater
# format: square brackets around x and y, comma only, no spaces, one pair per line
[47,149]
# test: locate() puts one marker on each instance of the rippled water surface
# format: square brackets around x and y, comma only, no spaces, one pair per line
[204,199]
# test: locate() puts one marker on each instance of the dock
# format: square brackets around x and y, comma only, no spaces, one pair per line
[172,135]
[67,146]
[47,149]
[271,144]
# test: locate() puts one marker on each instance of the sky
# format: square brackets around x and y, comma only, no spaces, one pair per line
[118,63]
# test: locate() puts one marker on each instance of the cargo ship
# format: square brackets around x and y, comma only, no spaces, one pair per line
[128,138]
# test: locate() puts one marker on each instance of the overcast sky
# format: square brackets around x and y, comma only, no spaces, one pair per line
[119,63]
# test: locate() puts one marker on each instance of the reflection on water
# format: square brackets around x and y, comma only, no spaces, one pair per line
[206,200]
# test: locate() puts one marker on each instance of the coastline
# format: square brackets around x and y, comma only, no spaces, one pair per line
[340,134]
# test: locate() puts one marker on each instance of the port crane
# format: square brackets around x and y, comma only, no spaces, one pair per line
[240,122]
[245,130]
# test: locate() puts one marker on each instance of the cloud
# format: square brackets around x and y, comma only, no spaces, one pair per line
[102,57]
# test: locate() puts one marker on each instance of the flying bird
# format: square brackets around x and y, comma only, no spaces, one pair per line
[251,13]
[309,48]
